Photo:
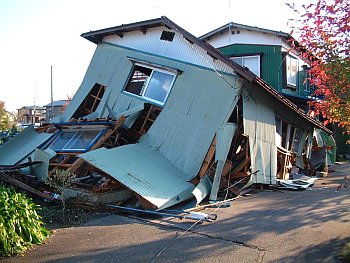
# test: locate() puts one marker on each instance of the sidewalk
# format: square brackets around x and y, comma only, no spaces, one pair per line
[269,226]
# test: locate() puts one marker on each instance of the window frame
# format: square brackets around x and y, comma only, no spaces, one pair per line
[307,83]
[146,83]
[289,60]
[249,56]
[75,136]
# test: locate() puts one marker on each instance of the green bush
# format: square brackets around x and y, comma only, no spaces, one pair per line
[346,253]
[20,225]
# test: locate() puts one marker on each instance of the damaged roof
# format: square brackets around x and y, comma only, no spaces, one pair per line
[98,35]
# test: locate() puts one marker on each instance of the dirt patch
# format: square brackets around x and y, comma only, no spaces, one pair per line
[55,216]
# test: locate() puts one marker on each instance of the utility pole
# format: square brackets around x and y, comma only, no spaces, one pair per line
[51,115]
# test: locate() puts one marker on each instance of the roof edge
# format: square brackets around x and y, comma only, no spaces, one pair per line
[252,28]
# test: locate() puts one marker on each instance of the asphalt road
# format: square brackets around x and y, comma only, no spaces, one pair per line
[267,226]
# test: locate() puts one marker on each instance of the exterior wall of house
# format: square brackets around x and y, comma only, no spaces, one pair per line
[272,65]
[112,63]
[28,115]
[200,101]
[244,37]
[259,113]
[179,49]
[270,59]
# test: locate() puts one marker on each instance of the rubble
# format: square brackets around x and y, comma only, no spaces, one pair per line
[168,127]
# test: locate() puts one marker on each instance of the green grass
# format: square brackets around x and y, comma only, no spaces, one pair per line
[346,253]
[20,224]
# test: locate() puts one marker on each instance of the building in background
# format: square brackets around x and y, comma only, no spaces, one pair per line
[31,115]
[55,109]
[270,55]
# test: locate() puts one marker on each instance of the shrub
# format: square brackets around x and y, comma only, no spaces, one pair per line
[20,225]
[346,253]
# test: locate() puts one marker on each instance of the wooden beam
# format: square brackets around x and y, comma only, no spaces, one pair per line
[227,168]
[239,174]
[142,29]
[208,158]
[15,182]
[121,35]
[241,166]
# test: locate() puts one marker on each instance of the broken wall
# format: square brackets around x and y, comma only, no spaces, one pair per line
[200,102]
[259,111]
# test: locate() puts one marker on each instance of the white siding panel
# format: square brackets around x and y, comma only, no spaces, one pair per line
[179,48]
[245,37]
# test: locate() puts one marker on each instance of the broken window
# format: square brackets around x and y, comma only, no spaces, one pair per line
[152,84]
[91,101]
[72,140]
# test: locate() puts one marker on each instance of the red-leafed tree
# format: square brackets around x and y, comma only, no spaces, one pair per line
[323,29]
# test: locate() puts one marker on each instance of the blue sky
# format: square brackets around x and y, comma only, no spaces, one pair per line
[36,34]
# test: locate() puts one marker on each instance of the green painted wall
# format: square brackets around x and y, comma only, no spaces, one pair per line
[271,68]
[271,65]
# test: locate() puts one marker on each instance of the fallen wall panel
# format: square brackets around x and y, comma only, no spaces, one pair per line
[145,171]
[22,145]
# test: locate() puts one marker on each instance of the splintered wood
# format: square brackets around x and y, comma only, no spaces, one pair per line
[236,171]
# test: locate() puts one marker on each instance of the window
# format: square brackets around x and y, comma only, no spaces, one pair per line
[307,81]
[75,140]
[251,62]
[152,84]
[291,70]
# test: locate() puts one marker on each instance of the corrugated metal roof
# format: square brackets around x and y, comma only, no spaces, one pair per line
[34,107]
[145,171]
[57,103]
[22,145]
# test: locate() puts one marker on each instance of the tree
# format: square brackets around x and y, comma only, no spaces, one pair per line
[4,118]
[324,34]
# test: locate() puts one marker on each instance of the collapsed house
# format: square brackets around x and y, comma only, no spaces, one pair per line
[165,116]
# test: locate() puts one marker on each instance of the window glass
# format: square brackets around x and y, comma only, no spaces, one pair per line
[82,139]
[251,62]
[292,70]
[61,141]
[159,86]
[73,140]
[307,80]
[150,83]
